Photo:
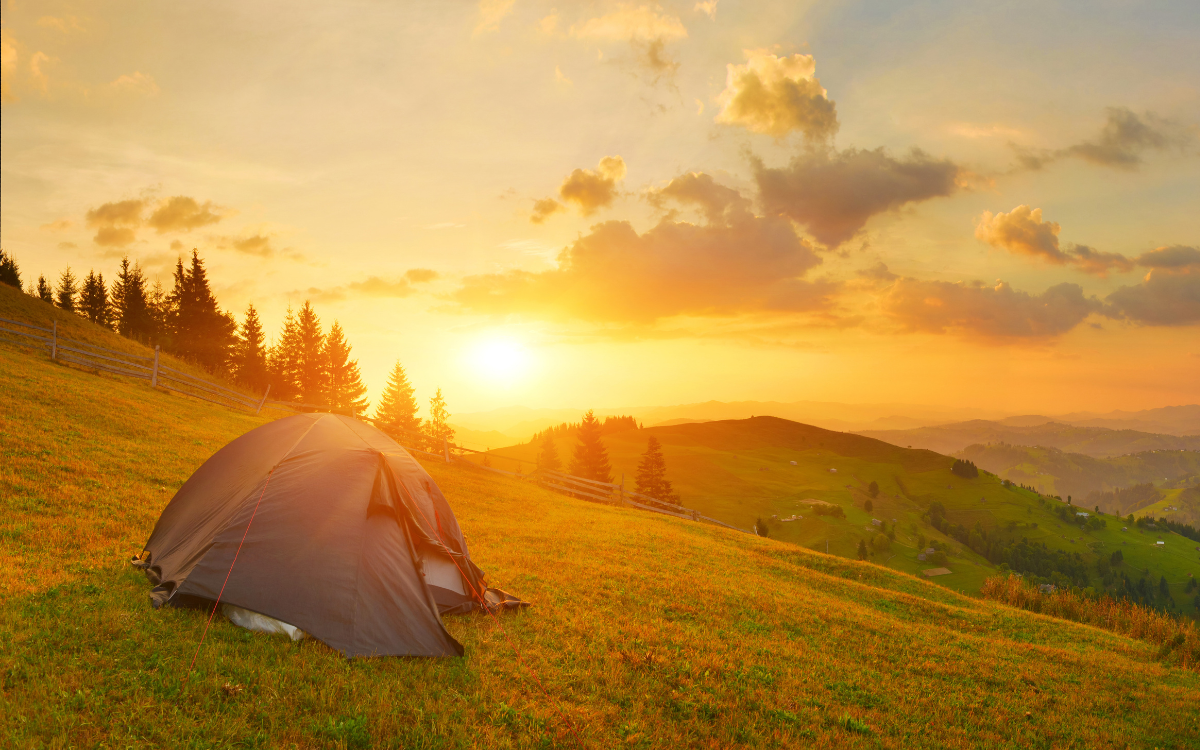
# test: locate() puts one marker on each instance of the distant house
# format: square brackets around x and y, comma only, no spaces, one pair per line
[833,471]
[876,522]
[793,463]
[1081,513]
[921,556]
[1160,542]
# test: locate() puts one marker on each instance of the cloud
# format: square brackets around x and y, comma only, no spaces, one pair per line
[59,225]
[996,313]
[1175,258]
[777,96]
[183,214]
[699,189]
[36,74]
[651,56]
[256,244]
[708,8]
[116,222]
[67,246]
[139,83]
[560,77]
[630,22]
[588,190]
[737,263]
[1023,232]
[64,24]
[373,286]
[1125,137]
[834,194]
[544,209]
[491,12]
[878,272]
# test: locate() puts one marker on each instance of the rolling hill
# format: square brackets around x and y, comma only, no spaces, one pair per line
[1097,442]
[646,631]
[740,470]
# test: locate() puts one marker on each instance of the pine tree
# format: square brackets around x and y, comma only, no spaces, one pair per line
[159,305]
[129,302]
[44,292]
[591,458]
[437,431]
[93,300]
[10,272]
[396,412]
[68,289]
[283,360]
[310,365]
[249,354]
[652,474]
[344,386]
[547,457]
[862,549]
[199,330]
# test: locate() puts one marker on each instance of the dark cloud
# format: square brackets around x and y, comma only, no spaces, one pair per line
[1174,257]
[183,214]
[736,263]
[1169,295]
[116,223]
[777,96]
[372,286]
[833,194]
[1097,262]
[700,190]
[1121,143]
[993,313]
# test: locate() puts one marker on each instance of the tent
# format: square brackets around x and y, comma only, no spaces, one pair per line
[342,535]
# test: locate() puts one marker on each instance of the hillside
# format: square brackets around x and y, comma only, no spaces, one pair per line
[739,470]
[1056,472]
[1097,442]
[645,632]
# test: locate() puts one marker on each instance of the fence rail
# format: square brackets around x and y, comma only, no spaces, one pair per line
[162,376]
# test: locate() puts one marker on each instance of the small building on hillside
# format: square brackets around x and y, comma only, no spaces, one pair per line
[833,471]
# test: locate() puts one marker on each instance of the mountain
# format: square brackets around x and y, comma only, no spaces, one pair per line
[1098,442]
[1076,475]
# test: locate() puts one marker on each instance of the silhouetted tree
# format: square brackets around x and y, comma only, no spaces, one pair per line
[44,292]
[199,329]
[283,360]
[547,457]
[161,308]
[67,290]
[652,474]
[130,305]
[93,300]
[868,506]
[1117,558]
[862,549]
[250,354]
[10,272]
[345,388]
[437,431]
[873,489]
[591,458]
[1162,586]
[311,367]
[964,469]
[396,412]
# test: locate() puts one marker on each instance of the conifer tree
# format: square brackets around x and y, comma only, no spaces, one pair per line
[436,428]
[396,412]
[199,330]
[10,272]
[547,457]
[93,300]
[591,458]
[862,549]
[249,354]
[68,289]
[129,302]
[652,474]
[310,364]
[760,527]
[283,360]
[159,305]
[44,292]
[345,387]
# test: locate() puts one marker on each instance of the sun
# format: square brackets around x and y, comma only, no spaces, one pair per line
[500,360]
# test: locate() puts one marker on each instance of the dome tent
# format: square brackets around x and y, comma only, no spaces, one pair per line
[342,534]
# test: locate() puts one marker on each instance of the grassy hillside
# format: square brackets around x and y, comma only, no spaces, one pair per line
[736,471]
[1094,441]
[1056,472]
[645,632]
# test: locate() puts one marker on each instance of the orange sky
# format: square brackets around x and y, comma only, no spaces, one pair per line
[605,204]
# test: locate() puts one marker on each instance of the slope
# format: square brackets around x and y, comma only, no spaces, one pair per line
[1097,442]
[740,470]
[646,631]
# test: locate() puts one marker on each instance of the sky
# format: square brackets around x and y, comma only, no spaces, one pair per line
[960,204]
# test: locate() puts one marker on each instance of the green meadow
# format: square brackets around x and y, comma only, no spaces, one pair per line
[645,631]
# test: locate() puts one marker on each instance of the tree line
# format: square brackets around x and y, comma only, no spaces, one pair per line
[304,364]
[590,457]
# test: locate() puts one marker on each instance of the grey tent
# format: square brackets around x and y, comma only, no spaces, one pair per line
[351,541]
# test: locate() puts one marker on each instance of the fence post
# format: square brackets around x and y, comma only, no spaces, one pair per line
[264,399]
[622,489]
[154,373]
[54,342]
[446,448]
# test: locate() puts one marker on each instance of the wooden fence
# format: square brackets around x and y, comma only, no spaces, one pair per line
[151,368]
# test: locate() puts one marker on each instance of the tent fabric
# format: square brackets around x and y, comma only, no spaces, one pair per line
[351,542]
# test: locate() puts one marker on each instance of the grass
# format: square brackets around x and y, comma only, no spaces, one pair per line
[738,470]
[645,632]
